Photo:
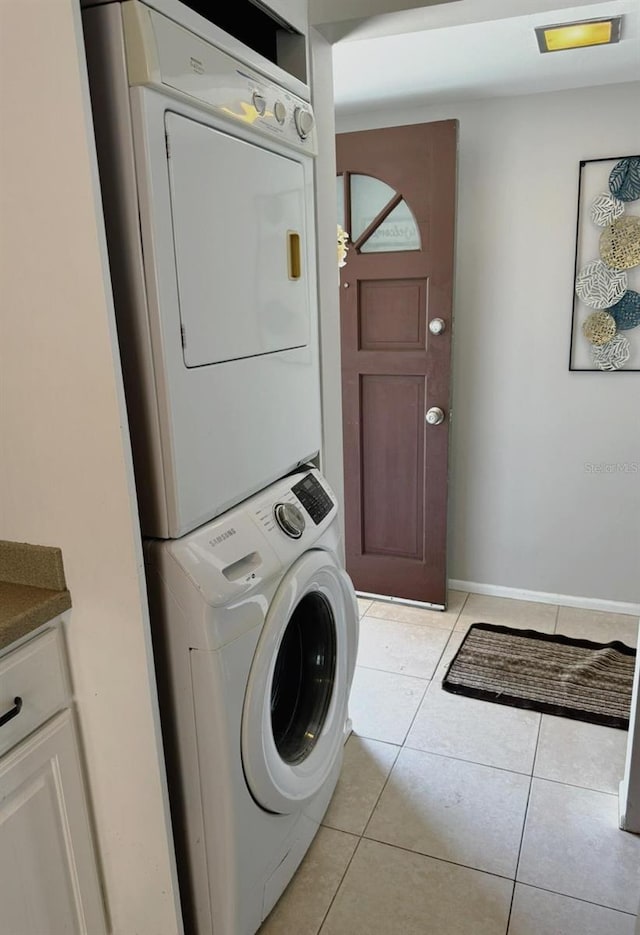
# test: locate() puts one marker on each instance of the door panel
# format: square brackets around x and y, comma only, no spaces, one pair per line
[398,191]
[391,314]
[392,418]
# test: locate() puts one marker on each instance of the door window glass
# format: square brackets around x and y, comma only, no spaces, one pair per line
[303,678]
[368,197]
[398,231]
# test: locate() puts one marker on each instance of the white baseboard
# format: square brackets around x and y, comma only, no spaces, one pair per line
[543,597]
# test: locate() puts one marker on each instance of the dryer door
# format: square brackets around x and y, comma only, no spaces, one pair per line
[239,210]
[296,700]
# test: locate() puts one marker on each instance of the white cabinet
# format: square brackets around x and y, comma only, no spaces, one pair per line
[49,882]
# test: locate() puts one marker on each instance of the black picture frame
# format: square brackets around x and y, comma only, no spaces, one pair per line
[593,175]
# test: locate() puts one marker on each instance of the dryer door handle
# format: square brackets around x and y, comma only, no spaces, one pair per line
[294,263]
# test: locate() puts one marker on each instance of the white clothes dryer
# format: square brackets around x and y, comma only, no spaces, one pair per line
[206,171]
[255,631]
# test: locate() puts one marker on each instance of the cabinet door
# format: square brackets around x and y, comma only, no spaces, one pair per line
[48,876]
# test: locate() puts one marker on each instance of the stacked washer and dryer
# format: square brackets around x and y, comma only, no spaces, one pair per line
[206,170]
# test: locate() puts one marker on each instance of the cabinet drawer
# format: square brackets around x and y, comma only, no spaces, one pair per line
[35,673]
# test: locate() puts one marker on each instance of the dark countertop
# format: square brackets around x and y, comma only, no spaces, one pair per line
[32,589]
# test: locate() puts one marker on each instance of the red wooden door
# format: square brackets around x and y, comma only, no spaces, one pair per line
[397,202]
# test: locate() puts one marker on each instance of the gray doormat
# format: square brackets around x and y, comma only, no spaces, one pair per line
[545,672]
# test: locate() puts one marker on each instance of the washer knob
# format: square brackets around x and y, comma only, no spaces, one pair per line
[290,519]
[304,122]
[280,111]
[259,103]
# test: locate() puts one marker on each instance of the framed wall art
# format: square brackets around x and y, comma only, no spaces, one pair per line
[605,325]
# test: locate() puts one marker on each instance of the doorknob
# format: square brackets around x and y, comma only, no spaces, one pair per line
[435,415]
[436,326]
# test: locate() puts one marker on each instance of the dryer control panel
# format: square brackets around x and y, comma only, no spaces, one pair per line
[163,54]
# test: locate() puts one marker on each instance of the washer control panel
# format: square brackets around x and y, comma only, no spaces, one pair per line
[256,540]
[290,519]
[313,497]
[300,511]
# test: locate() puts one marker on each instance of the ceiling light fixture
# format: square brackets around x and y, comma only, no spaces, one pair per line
[578,35]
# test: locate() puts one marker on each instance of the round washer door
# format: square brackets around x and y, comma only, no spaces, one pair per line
[297,692]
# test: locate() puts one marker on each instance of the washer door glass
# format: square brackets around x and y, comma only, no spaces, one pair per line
[295,704]
[303,679]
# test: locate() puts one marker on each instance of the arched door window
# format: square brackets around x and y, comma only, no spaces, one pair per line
[380,219]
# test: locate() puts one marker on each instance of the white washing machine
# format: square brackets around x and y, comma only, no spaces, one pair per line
[255,629]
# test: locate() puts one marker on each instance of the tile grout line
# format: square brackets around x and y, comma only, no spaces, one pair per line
[449,632]
[524,823]
[361,835]
[573,785]
[490,873]
[578,899]
[442,860]
[420,703]
[407,675]
[415,715]
[419,624]
[384,786]
[462,759]
[401,746]
[340,882]
[526,811]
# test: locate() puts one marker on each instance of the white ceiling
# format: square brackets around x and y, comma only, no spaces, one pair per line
[476,49]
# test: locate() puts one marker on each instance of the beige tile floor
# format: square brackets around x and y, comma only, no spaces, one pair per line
[457,817]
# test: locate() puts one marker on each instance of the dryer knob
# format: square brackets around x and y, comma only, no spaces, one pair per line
[290,519]
[259,103]
[304,122]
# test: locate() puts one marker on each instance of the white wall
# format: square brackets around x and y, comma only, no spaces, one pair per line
[328,273]
[66,466]
[335,11]
[524,512]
